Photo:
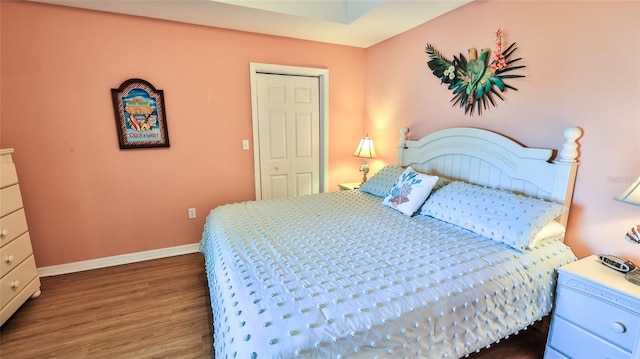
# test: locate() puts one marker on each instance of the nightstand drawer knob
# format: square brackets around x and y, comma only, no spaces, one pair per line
[15,284]
[8,259]
[618,327]
[3,232]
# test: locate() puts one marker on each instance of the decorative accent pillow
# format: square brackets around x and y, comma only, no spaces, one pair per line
[500,215]
[380,184]
[409,191]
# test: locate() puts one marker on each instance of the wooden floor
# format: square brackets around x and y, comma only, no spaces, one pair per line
[152,309]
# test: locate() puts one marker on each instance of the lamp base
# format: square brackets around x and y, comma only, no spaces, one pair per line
[633,235]
[364,179]
[364,168]
[633,276]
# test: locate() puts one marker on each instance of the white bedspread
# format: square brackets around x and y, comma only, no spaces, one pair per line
[338,275]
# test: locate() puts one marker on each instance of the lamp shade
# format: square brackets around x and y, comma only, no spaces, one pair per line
[365,148]
[632,194]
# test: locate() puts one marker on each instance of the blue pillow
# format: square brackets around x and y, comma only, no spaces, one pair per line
[380,184]
[500,215]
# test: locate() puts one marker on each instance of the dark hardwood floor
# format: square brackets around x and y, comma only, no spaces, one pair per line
[153,309]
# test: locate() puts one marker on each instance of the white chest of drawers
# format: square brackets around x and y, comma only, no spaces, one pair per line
[596,314]
[18,274]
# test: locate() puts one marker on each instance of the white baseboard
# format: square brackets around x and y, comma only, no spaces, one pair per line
[117,260]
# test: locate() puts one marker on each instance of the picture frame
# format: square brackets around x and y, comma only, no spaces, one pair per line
[140,115]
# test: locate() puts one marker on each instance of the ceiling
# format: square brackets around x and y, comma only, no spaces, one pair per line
[360,23]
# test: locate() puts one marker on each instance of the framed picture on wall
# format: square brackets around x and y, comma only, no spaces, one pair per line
[140,115]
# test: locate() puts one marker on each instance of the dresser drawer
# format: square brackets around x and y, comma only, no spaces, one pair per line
[604,319]
[16,280]
[574,342]
[14,253]
[31,290]
[8,174]
[10,199]
[11,226]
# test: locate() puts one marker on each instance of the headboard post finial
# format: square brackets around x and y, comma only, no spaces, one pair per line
[569,152]
[403,138]
[402,146]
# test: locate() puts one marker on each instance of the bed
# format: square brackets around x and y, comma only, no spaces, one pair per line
[385,273]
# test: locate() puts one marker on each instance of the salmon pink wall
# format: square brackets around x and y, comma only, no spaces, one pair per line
[84,197]
[581,70]
[87,199]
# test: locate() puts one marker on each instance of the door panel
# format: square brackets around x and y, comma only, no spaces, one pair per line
[275,181]
[304,129]
[304,183]
[277,186]
[289,137]
[277,133]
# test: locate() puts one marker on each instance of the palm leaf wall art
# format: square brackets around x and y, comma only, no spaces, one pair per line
[475,81]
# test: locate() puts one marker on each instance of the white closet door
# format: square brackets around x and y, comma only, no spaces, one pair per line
[289,132]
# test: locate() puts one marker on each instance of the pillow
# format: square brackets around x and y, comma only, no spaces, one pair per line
[380,184]
[439,184]
[409,191]
[500,215]
[552,230]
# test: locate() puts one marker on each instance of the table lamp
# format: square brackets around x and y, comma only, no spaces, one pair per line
[365,150]
[632,196]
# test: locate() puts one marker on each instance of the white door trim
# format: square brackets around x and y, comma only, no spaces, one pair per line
[323,76]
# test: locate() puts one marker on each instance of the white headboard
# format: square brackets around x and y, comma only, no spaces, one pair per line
[490,159]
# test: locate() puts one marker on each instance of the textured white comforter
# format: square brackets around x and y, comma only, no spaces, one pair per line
[338,275]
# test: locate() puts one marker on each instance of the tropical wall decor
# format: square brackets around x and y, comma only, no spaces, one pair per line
[140,115]
[474,80]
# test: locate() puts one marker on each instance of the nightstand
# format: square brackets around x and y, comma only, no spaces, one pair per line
[596,315]
[349,186]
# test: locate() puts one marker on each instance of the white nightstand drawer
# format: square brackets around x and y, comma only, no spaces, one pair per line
[602,318]
[550,353]
[11,226]
[17,280]
[14,253]
[10,199]
[575,342]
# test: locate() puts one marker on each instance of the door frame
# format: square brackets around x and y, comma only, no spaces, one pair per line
[323,77]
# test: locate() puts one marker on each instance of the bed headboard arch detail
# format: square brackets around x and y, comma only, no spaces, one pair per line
[487,158]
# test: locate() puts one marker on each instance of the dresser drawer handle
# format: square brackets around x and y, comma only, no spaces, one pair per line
[8,259]
[618,327]
[4,232]
[15,284]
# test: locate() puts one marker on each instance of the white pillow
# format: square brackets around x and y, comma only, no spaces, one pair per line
[500,215]
[380,183]
[552,230]
[409,191]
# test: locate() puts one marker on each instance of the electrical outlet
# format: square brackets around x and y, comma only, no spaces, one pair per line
[245,145]
[192,213]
